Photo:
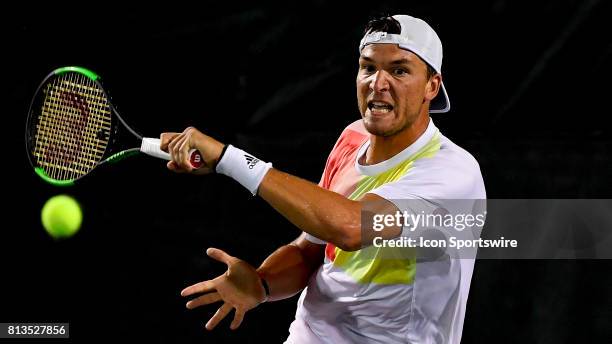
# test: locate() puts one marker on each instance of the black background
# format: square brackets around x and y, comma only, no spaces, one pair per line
[528,87]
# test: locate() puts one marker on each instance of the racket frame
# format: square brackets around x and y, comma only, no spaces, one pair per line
[108,156]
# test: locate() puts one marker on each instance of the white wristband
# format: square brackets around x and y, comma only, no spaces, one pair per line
[243,168]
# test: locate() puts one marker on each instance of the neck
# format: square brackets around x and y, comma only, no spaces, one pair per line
[383,148]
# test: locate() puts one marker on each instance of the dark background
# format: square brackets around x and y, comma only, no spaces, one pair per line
[528,83]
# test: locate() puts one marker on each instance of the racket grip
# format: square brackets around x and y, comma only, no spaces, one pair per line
[150,146]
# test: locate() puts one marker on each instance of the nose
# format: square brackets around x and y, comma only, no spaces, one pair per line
[379,82]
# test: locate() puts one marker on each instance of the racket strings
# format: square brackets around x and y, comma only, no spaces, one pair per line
[59,136]
[73,127]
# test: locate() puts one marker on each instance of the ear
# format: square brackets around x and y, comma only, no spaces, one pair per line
[433,87]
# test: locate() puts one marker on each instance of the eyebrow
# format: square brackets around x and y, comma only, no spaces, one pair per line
[395,62]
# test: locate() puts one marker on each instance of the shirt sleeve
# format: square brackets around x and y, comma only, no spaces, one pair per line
[314,239]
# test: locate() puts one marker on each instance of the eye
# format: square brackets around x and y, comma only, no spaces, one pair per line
[368,69]
[400,71]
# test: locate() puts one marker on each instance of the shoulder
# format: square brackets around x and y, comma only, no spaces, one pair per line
[354,134]
[450,172]
[454,171]
[452,156]
[341,156]
[351,138]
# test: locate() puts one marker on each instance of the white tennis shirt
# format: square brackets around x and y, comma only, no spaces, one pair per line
[355,297]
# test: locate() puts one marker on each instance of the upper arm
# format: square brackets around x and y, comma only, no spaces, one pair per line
[374,208]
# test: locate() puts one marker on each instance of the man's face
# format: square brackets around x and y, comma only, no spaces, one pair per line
[392,86]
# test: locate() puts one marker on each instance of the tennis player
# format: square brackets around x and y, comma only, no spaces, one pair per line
[394,151]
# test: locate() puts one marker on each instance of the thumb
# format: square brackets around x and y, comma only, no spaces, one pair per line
[219,255]
[172,166]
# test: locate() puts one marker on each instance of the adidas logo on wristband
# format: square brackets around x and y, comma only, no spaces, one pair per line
[251,161]
[250,175]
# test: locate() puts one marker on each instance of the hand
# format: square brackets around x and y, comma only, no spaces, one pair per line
[239,288]
[180,144]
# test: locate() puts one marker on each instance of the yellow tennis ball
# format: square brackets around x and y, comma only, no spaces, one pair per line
[61,216]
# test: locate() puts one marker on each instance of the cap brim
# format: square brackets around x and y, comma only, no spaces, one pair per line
[440,103]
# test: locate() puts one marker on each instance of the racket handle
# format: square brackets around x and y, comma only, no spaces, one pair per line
[150,146]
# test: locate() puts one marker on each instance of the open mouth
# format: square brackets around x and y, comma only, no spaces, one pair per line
[379,107]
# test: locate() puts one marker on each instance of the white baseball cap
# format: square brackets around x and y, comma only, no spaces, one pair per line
[419,38]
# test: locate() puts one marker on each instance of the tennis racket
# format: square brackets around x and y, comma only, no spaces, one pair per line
[72,128]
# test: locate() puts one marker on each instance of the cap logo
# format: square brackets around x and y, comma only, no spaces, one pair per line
[376,36]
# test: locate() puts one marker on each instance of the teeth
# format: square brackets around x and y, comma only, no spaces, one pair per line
[381,109]
[380,106]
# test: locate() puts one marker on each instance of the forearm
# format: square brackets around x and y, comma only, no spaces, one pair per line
[317,211]
[322,213]
[287,271]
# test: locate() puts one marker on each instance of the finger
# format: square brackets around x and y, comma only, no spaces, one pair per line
[189,129]
[172,166]
[203,300]
[175,145]
[221,313]
[181,151]
[219,255]
[165,139]
[238,316]
[172,145]
[197,288]
[185,148]
[175,151]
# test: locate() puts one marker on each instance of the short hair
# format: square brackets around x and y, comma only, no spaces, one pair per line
[390,25]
